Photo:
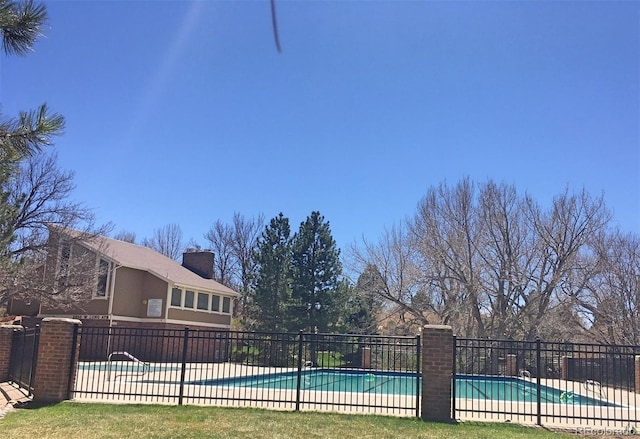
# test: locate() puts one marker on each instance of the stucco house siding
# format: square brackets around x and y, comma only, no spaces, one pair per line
[133,289]
[202,317]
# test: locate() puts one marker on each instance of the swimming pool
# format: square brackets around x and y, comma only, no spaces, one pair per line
[518,390]
[329,380]
[466,386]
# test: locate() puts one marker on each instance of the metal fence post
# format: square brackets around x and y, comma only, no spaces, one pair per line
[72,362]
[185,345]
[538,378]
[418,374]
[300,339]
[453,378]
[34,359]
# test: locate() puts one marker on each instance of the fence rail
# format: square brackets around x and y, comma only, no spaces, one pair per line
[542,382]
[372,374]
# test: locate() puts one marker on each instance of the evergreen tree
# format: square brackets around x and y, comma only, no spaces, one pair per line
[20,25]
[366,303]
[315,272]
[271,285]
[29,132]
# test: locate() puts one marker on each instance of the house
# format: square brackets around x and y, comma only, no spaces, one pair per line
[124,284]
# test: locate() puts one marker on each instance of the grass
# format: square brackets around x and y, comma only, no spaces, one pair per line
[87,421]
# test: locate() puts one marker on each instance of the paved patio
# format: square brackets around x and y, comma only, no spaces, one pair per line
[11,396]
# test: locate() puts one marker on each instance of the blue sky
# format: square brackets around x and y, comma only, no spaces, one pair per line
[184,112]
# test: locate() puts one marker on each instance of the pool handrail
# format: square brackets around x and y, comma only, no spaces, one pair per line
[145,366]
[524,373]
[594,385]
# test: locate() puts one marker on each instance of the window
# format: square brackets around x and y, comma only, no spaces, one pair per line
[64,259]
[188,299]
[103,278]
[203,301]
[200,301]
[63,266]
[176,297]
[215,303]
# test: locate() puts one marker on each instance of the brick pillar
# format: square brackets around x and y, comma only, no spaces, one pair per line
[637,371]
[564,367]
[512,365]
[365,358]
[437,364]
[52,381]
[6,341]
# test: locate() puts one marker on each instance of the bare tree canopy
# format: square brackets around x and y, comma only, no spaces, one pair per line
[234,245]
[220,238]
[491,262]
[41,196]
[42,193]
[126,236]
[611,304]
[167,240]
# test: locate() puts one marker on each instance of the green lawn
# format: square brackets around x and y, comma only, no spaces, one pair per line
[86,421]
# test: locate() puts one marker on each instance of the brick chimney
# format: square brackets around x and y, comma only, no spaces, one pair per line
[200,262]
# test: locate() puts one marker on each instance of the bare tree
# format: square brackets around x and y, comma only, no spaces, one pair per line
[246,232]
[610,309]
[126,236]
[492,263]
[220,238]
[561,262]
[393,275]
[67,276]
[445,230]
[41,193]
[167,240]
[234,245]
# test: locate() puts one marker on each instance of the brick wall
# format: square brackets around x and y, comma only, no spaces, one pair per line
[437,365]
[52,381]
[154,342]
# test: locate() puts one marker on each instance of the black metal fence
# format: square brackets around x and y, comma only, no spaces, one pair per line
[355,373]
[22,364]
[545,382]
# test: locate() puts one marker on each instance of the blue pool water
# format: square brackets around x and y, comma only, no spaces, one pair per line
[517,390]
[326,380]
[467,386]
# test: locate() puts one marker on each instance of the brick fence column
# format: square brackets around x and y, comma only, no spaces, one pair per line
[512,365]
[6,342]
[564,367]
[365,358]
[437,364]
[52,380]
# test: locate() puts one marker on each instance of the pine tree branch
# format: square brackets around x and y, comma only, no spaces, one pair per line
[20,25]
[30,132]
